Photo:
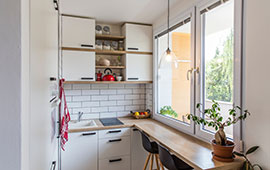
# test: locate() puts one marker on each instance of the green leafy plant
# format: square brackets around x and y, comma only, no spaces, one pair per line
[213,118]
[247,163]
[167,110]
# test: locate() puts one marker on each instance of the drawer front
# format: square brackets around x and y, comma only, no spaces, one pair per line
[114,147]
[115,163]
[111,133]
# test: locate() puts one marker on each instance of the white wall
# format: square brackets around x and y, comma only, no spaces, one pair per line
[257,78]
[10,92]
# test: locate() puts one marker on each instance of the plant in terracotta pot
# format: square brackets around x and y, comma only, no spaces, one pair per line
[222,148]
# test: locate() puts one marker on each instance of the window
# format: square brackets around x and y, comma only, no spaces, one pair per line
[208,68]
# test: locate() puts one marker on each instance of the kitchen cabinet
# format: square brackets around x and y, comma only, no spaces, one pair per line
[81,151]
[78,32]
[114,149]
[78,65]
[138,153]
[138,37]
[139,67]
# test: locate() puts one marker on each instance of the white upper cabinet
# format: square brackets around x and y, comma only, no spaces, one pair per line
[78,65]
[138,37]
[78,32]
[139,67]
[81,152]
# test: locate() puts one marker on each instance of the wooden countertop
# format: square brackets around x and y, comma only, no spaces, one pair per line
[194,152]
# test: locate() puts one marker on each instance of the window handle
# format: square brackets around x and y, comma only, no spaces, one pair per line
[189,72]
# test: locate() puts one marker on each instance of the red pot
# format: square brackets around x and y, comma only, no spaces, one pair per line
[108,75]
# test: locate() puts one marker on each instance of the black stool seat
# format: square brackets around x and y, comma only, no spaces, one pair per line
[151,147]
[171,162]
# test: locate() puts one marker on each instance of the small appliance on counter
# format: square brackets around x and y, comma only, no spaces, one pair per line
[99,76]
[110,122]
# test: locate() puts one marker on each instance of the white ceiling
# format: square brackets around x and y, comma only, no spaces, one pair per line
[117,11]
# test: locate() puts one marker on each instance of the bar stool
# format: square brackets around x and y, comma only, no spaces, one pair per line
[171,162]
[152,148]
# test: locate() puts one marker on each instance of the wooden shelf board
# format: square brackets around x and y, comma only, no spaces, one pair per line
[112,67]
[108,82]
[109,37]
[105,52]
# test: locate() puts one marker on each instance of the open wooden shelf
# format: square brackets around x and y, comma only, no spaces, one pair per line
[112,67]
[109,37]
[105,52]
[108,82]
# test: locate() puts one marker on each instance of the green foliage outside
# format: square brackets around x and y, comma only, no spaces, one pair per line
[167,110]
[219,73]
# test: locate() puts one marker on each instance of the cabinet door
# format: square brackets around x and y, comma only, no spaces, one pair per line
[81,152]
[78,65]
[78,32]
[139,67]
[138,154]
[138,37]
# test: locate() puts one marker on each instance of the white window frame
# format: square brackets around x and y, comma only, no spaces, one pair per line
[187,128]
[194,130]
[237,66]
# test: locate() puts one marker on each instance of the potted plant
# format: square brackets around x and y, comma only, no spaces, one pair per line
[168,111]
[222,148]
[247,164]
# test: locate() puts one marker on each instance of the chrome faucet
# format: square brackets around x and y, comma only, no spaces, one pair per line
[79,116]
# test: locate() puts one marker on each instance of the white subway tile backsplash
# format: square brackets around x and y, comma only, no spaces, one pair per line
[84,110]
[108,103]
[100,97]
[116,108]
[107,91]
[99,109]
[74,104]
[116,86]
[124,102]
[137,102]
[90,104]
[100,86]
[132,97]
[73,92]
[107,100]
[67,86]
[124,91]
[116,97]
[80,98]
[108,115]
[81,86]
[138,91]
[90,92]
[132,108]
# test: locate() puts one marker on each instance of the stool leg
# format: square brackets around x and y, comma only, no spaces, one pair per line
[151,163]
[162,168]
[156,156]
[146,161]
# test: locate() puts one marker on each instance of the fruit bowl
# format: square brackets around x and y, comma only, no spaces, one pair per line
[141,115]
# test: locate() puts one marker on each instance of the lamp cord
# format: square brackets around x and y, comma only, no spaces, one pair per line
[168,22]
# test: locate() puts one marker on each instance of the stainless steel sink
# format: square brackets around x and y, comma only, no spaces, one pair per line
[81,124]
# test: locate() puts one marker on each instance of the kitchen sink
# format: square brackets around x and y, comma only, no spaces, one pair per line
[84,123]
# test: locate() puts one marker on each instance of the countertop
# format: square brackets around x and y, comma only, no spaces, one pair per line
[193,151]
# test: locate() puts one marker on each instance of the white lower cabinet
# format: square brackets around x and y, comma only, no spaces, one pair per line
[115,163]
[81,152]
[138,154]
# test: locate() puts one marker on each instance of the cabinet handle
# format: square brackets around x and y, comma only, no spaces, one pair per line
[87,134]
[133,49]
[52,78]
[114,131]
[115,160]
[53,165]
[86,45]
[135,130]
[55,5]
[115,140]
[87,78]
[133,78]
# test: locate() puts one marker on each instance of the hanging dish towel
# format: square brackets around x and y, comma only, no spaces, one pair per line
[64,115]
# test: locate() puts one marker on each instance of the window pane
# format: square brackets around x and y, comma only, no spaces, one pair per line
[217,59]
[173,87]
